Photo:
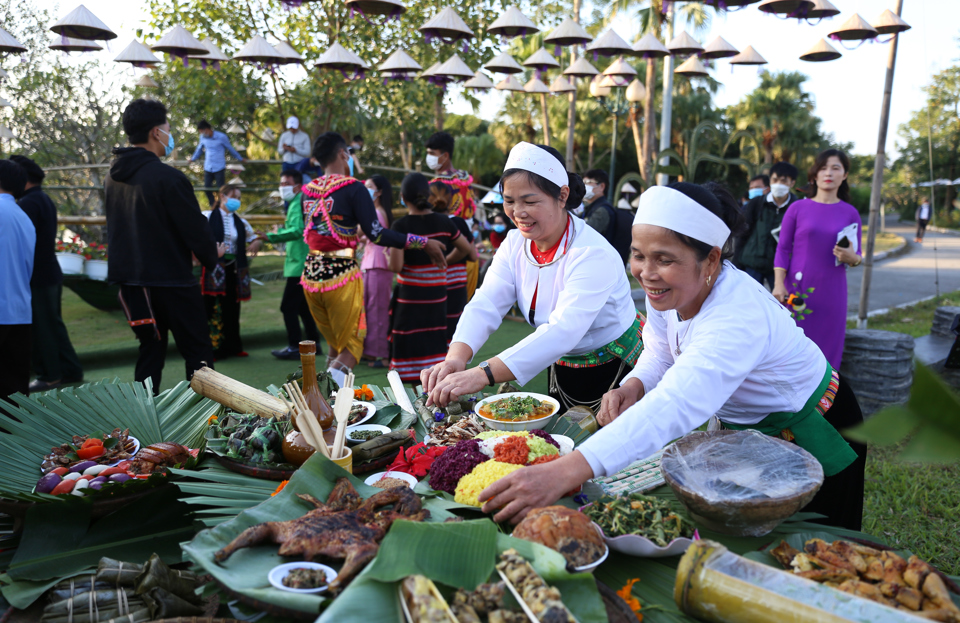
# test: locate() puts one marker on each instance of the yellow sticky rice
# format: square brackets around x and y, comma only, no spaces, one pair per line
[490,434]
[482,476]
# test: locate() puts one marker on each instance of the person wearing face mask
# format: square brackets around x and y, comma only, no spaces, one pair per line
[613,224]
[154,229]
[759,186]
[293,304]
[757,246]
[228,283]
[377,278]
[715,343]
[336,208]
[499,231]
[559,272]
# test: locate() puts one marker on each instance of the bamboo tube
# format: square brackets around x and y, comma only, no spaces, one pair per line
[236,395]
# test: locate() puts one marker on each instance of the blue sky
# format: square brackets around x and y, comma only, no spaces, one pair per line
[848,91]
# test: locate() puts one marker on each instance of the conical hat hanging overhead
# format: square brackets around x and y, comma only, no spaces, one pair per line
[146,82]
[213,56]
[400,63]
[446,26]
[69,44]
[513,23]
[290,55]
[561,85]
[612,81]
[503,63]
[748,57]
[628,189]
[339,57]
[692,67]
[719,48]
[9,44]
[6,132]
[430,75]
[581,68]
[789,8]
[889,23]
[541,60]
[479,82]
[510,83]
[235,128]
[4,103]
[80,23]
[536,86]
[259,50]
[822,9]
[636,92]
[137,55]
[390,8]
[620,68]
[454,69]
[179,42]
[683,44]
[4,75]
[568,33]
[820,53]
[609,44]
[854,29]
[650,47]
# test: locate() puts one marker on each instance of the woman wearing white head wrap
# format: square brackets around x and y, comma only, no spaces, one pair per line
[567,281]
[715,343]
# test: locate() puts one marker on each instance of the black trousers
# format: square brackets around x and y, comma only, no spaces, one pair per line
[14,359]
[922,227]
[841,496]
[294,308]
[178,310]
[585,385]
[225,335]
[54,358]
[213,179]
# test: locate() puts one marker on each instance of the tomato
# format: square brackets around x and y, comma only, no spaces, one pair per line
[91,477]
[92,452]
[60,471]
[92,442]
[124,465]
[64,487]
[141,476]
[110,471]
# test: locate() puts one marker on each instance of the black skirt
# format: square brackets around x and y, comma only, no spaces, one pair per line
[585,386]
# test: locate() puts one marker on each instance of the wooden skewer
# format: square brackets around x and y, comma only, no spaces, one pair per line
[342,413]
[309,427]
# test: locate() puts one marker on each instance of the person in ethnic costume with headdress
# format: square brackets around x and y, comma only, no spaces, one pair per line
[336,207]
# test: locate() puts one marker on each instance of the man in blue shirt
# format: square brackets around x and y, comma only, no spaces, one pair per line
[17,241]
[215,144]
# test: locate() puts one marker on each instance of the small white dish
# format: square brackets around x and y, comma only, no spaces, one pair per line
[371,409]
[566,444]
[596,563]
[517,426]
[401,475]
[280,571]
[362,427]
[634,545]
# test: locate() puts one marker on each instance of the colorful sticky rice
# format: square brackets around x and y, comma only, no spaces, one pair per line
[454,464]
[482,476]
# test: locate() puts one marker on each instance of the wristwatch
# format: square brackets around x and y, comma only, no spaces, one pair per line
[485,366]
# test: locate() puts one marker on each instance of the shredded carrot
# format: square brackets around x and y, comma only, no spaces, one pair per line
[280,488]
[634,603]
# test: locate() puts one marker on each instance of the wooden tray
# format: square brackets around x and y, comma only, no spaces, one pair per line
[267,473]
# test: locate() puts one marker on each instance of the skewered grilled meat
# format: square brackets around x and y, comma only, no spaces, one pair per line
[345,527]
[158,456]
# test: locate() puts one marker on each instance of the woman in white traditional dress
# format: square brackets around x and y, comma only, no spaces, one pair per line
[715,343]
[566,280]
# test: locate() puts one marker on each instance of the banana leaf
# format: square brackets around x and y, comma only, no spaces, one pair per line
[51,418]
[457,555]
[246,571]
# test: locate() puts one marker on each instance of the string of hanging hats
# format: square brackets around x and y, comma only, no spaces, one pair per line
[821,9]
[621,72]
[568,33]
[80,23]
[854,29]
[137,55]
[650,47]
[719,48]
[69,44]
[540,61]
[399,66]
[748,56]
[512,23]
[289,54]
[692,67]
[446,26]
[181,43]
[786,8]
[9,44]
[430,75]
[479,82]
[820,53]
[510,83]
[581,68]
[535,85]
[389,9]
[889,23]
[609,44]
[214,55]
[561,85]
[503,63]
[684,45]
[453,70]
[339,58]
[258,50]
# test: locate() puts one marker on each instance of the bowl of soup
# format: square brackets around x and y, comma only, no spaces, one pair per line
[517,411]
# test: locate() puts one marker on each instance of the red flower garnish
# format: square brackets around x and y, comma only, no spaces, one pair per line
[415,460]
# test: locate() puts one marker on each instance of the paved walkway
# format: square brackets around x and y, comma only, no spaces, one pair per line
[911,276]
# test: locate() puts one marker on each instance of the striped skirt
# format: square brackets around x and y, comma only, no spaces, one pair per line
[456,296]
[418,321]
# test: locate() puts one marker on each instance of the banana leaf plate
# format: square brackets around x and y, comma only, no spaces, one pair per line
[275,472]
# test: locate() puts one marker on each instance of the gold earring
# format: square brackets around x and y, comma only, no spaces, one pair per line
[709,277]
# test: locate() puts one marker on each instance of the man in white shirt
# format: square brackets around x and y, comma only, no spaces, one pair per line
[294,145]
[923,217]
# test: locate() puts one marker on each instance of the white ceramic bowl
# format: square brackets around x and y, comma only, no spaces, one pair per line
[362,427]
[566,444]
[401,475]
[280,571]
[515,426]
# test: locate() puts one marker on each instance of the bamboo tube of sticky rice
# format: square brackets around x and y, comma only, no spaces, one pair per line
[235,395]
[716,585]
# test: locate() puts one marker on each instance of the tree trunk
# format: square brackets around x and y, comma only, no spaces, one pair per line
[637,141]
[438,112]
[404,157]
[590,152]
[546,120]
[572,111]
[649,123]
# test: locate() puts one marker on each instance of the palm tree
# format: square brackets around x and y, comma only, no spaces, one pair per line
[651,14]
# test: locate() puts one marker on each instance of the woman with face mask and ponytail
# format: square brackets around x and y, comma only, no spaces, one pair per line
[229,282]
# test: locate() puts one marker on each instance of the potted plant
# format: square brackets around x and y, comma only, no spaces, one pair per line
[70,256]
[96,265]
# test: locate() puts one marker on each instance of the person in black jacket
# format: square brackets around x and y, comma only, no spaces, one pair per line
[757,246]
[54,359]
[614,224]
[154,224]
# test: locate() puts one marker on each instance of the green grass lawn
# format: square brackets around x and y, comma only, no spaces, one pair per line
[914,320]
[884,241]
